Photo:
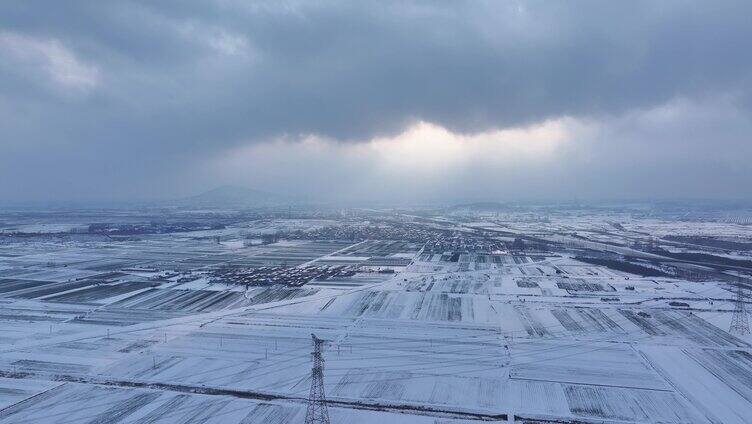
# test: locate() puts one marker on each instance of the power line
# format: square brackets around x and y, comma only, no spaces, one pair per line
[317,412]
[739,321]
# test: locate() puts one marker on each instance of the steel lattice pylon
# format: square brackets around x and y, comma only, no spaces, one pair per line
[739,321]
[317,412]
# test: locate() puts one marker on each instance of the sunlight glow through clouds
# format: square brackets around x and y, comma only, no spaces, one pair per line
[413,159]
[424,147]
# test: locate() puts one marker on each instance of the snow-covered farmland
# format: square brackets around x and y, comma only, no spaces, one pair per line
[464,327]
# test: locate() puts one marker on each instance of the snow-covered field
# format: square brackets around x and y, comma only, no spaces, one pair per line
[136,330]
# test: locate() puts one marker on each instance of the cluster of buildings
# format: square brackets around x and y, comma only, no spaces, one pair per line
[273,275]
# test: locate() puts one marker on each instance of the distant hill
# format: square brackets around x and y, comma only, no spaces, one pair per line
[236,196]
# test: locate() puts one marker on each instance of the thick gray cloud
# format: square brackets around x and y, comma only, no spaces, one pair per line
[124,96]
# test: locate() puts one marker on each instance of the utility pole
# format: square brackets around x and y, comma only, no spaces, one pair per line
[317,412]
[739,321]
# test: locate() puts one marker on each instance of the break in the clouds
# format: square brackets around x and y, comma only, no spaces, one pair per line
[393,100]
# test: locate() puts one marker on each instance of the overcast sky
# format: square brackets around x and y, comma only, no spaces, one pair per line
[452,101]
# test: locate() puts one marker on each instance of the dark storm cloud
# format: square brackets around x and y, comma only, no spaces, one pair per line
[158,85]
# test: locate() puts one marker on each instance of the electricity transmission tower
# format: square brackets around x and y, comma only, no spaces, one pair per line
[739,321]
[317,413]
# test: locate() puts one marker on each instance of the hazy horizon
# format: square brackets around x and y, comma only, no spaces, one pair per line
[283,200]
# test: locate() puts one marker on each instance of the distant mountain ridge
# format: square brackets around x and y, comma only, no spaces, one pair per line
[229,195]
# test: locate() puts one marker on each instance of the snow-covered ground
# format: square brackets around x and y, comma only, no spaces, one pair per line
[136,330]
